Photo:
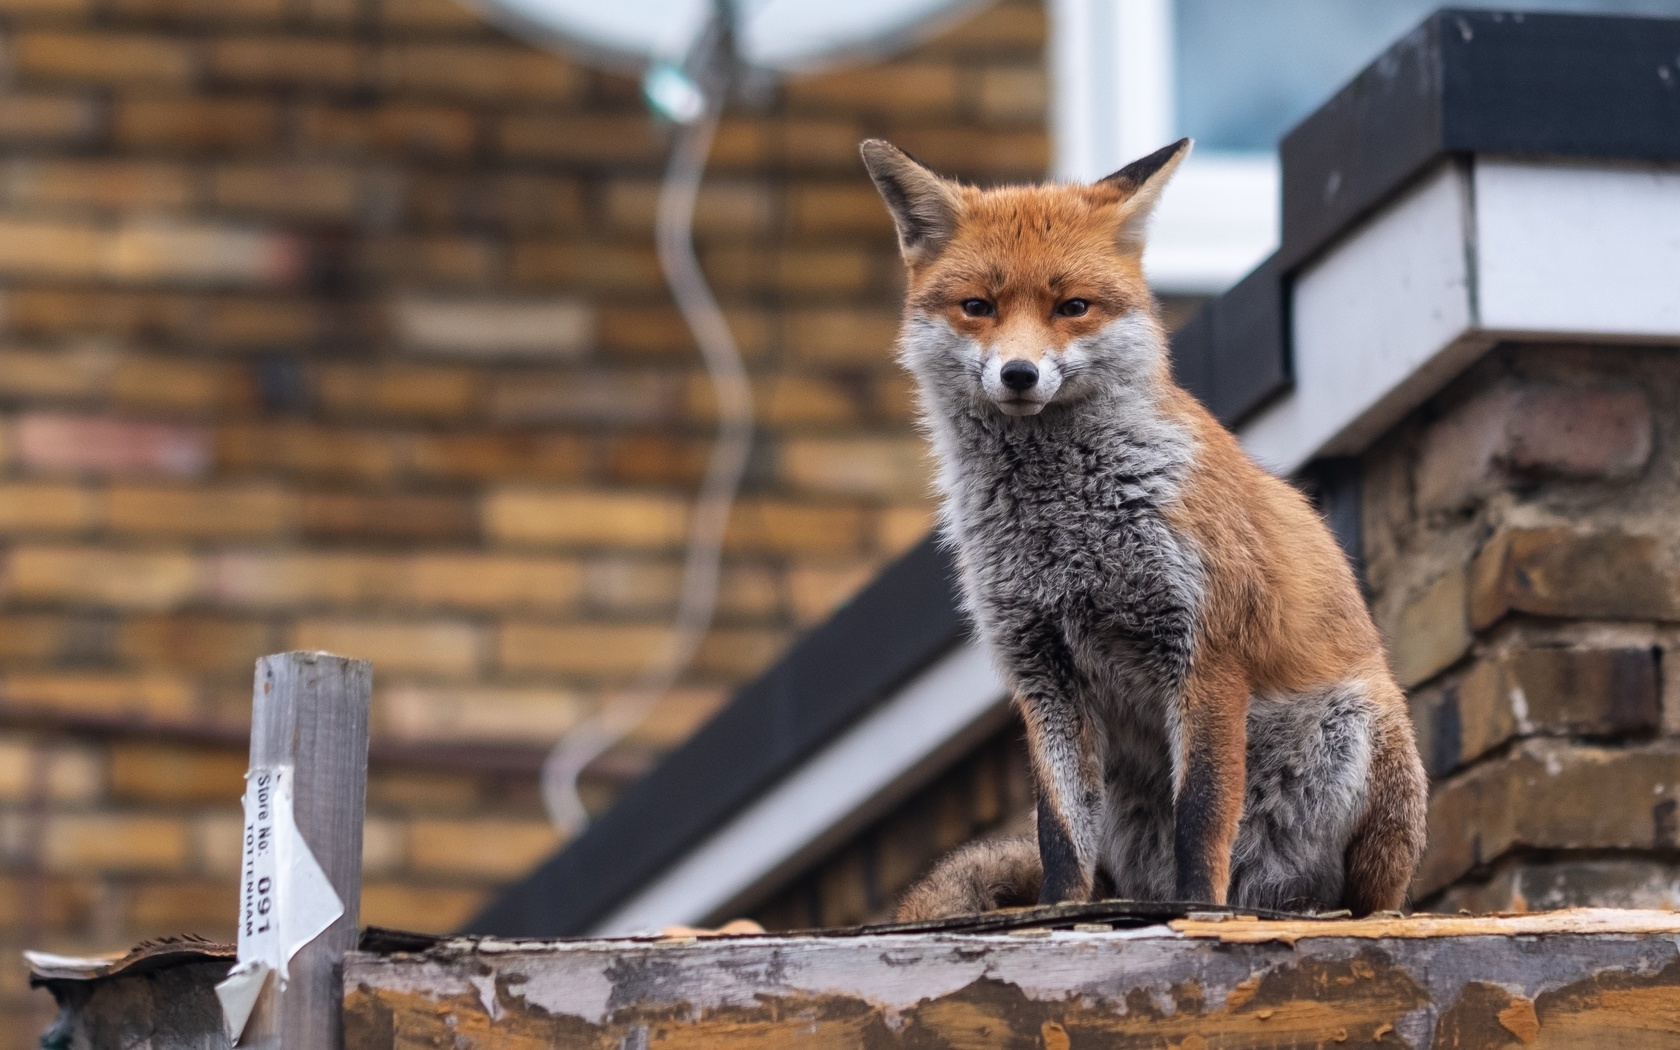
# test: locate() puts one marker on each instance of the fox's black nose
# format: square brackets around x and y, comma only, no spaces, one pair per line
[1019,375]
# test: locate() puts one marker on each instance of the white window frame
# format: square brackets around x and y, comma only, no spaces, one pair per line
[1112,101]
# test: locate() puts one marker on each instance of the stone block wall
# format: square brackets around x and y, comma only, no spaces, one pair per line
[1523,551]
[337,324]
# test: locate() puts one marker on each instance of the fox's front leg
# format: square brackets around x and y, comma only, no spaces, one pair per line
[1212,775]
[1069,781]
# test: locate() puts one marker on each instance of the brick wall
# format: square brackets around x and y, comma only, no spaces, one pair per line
[1524,556]
[336,323]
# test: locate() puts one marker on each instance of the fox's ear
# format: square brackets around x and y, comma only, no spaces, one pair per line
[924,206]
[1141,182]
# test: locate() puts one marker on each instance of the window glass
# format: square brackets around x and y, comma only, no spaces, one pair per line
[1249,70]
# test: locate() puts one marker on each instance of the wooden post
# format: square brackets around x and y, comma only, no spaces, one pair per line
[310,718]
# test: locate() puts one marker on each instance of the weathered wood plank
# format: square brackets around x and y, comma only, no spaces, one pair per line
[310,717]
[1476,984]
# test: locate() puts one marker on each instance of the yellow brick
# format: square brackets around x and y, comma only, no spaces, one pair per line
[392,128]
[863,466]
[217,840]
[896,398]
[145,697]
[238,321]
[148,251]
[105,184]
[201,252]
[114,842]
[430,791]
[901,528]
[798,400]
[308,450]
[436,647]
[172,383]
[105,58]
[750,591]
[195,10]
[29,900]
[429,14]
[384,846]
[25,8]
[284,580]
[469,260]
[476,714]
[425,909]
[842,336]
[585,649]
[43,507]
[285,61]
[631,585]
[162,909]
[499,456]
[584,138]
[30,766]
[481,848]
[403,392]
[492,583]
[195,123]
[127,579]
[584,518]
[677,715]
[35,117]
[1014,93]
[817,591]
[50,249]
[162,773]
[479,71]
[828,142]
[222,511]
[845,208]
[835,271]
[1001,153]
[35,639]
[739,652]
[209,642]
[313,191]
[1019,27]
[572,264]
[783,527]
[401,516]
[899,88]
[733,210]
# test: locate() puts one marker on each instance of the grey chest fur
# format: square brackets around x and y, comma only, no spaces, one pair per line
[1069,565]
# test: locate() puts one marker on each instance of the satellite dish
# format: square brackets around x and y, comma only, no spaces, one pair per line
[692,54]
[770,35]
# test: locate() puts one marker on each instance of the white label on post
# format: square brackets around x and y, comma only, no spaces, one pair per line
[285,899]
[259,893]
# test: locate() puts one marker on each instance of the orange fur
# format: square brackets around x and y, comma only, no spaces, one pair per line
[1282,612]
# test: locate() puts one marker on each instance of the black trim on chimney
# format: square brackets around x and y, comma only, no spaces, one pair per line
[1464,81]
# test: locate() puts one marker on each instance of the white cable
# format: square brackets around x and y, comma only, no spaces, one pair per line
[697,601]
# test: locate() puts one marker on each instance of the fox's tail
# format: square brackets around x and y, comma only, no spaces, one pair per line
[981,876]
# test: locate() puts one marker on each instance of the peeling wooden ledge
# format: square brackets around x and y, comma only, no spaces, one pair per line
[1138,978]
[1107,974]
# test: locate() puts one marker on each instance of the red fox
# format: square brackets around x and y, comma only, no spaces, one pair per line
[1208,705]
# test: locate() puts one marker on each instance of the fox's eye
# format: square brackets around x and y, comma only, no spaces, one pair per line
[1072,308]
[978,308]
